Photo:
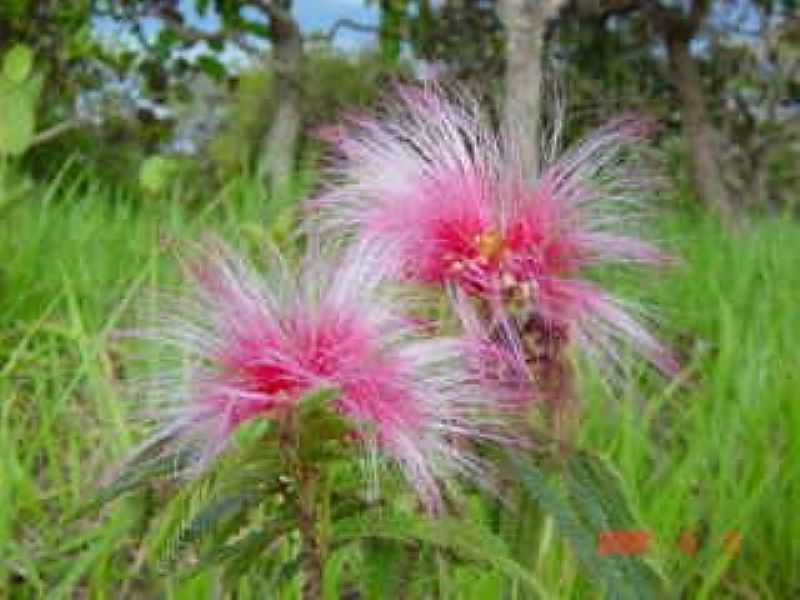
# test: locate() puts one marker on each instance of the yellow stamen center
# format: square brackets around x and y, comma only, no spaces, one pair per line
[490,244]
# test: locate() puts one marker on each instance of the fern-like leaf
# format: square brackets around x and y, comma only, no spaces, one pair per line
[594,504]
[461,538]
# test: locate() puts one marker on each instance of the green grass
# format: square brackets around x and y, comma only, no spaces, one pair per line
[718,453]
[722,453]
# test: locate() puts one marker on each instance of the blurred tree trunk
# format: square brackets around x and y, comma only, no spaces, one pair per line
[677,32]
[698,129]
[280,142]
[526,25]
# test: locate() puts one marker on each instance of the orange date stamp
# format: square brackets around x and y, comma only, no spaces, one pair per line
[628,542]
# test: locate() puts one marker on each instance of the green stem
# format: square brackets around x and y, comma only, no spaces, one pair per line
[307,479]
[313,567]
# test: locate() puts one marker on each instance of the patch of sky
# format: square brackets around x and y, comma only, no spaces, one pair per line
[312,15]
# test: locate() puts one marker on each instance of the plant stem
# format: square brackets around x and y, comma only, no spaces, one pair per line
[309,533]
[545,345]
[306,478]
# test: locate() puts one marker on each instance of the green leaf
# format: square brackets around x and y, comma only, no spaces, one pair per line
[208,518]
[17,120]
[18,63]
[594,504]
[168,38]
[381,571]
[336,575]
[254,549]
[321,429]
[316,404]
[217,45]
[596,489]
[212,67]
[133,477]
[258,29]
[156,172]
[580,537]
[465,539]
[219,506]
[31,88]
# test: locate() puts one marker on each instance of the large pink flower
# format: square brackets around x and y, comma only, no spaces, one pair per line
[257,344]
[431,179]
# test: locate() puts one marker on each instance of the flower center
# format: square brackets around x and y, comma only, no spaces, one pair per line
[490,245]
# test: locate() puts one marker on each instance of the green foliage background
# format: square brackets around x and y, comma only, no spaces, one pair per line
[711,456]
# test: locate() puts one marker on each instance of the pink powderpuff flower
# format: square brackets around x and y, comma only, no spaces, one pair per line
[432,179]
[256,344]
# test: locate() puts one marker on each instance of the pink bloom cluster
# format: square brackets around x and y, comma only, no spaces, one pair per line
[428,192]
[257,345]
[433,180]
